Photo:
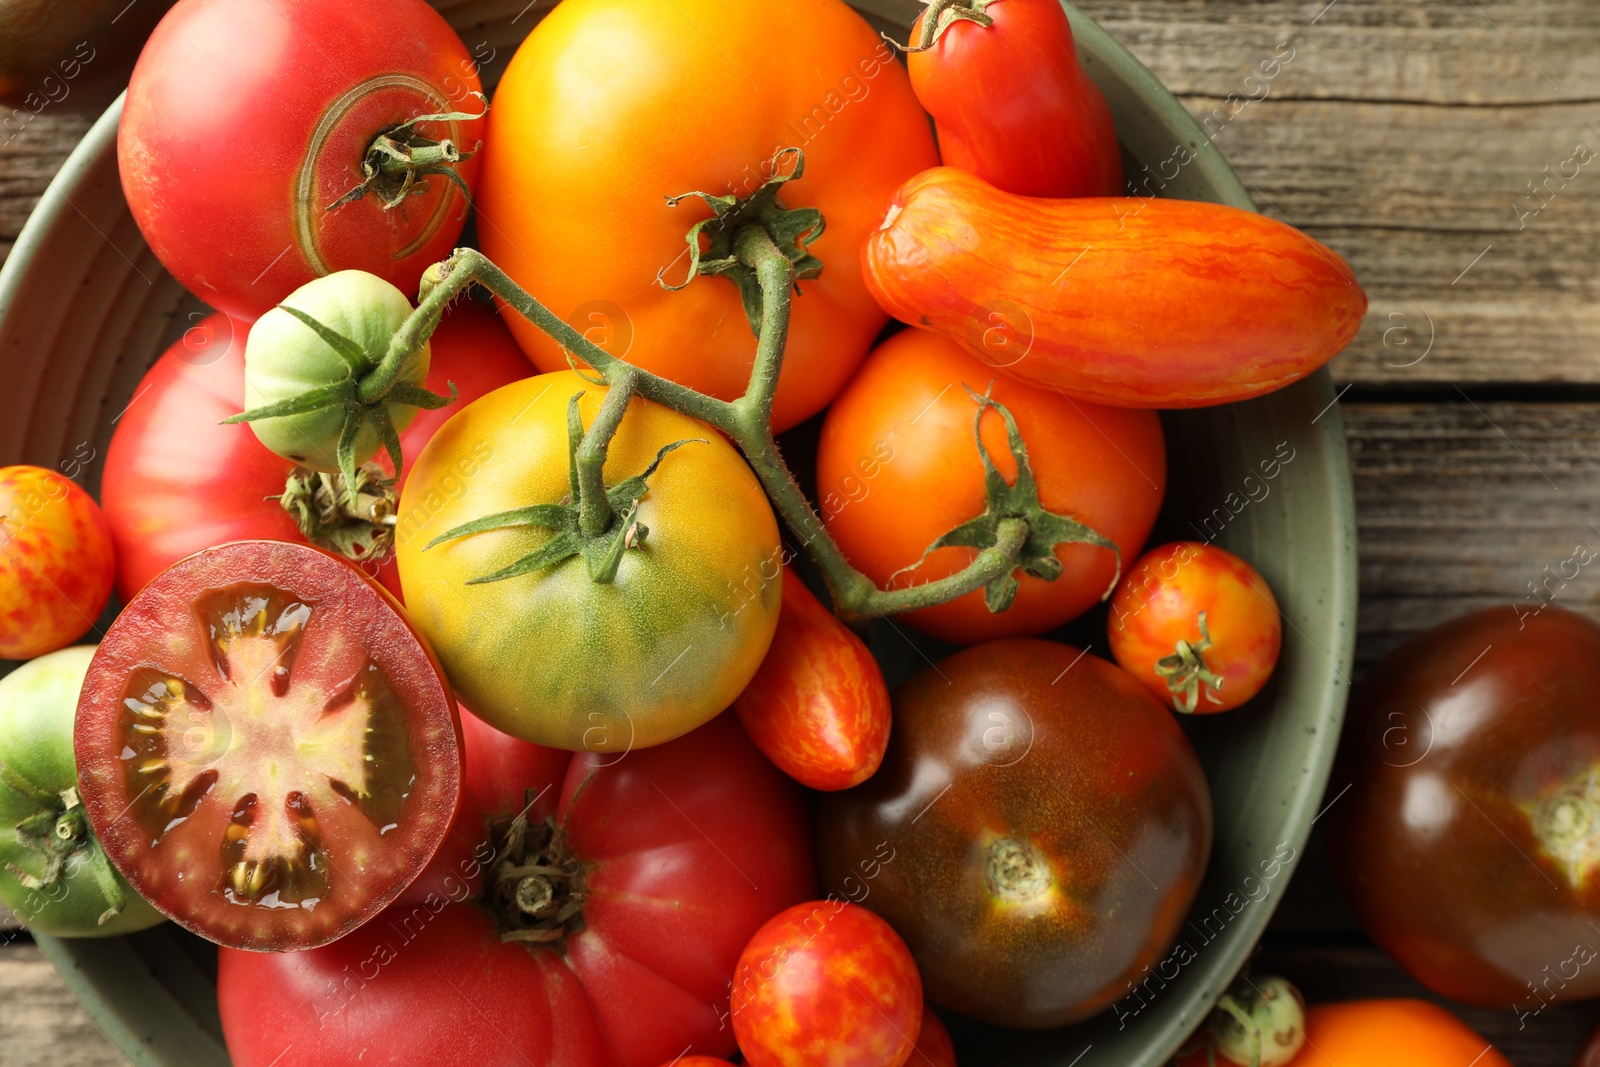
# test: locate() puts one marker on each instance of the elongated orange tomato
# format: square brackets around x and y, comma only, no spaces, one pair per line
[1384,1033]
[1129,302]
[818,707]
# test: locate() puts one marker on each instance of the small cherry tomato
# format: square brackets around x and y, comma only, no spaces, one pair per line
[934,1047]
[697,1061]
[1197,625]
[826,984]
[898,466]
[818,706]
[268,751]
[1011,101]
[56,562]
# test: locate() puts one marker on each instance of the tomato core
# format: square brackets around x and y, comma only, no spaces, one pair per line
[536,890]
[1566,823]
[1016,871]
[298,755]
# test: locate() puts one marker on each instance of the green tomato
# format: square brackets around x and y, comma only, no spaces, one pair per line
[553,656]
[285,358]
[42,824]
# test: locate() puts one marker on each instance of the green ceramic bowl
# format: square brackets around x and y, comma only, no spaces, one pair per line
[85,308]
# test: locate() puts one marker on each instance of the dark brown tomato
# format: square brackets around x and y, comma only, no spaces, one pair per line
[1469,844]
[1037,831]
[267,750]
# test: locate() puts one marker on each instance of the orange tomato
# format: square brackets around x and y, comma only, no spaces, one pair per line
[56,562]
[1392,1033]
[898,467]
[1125,301]
[1161,603]
[818,706]
[610,106]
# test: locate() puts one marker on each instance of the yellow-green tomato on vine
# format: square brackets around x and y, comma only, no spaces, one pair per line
[288,358]
[547,651]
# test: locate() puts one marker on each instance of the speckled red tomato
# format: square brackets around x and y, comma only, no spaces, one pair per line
[56,562]
[826,984]
[1197,625]
[934,1047]
[818,707]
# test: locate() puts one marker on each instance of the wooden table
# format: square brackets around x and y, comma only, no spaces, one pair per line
[1410,135]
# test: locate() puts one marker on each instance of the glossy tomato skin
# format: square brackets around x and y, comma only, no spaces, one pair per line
[818,706]
[38,701]
[648,975]
[243,230]
[898,467]
[1159,603]
[1473,750]
[826,984]
[1141,303]
[1014,106]
[267,749]
[995,836]
[706,91]
[1384,1033]
[57,562]
[177,480]
[553,656]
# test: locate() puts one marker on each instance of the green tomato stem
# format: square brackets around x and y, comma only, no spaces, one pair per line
[594,509]
[747,421]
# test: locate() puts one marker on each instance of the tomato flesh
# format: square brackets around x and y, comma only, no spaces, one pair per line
[271,760]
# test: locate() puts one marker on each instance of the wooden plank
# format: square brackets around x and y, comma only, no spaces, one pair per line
[29,158]
[40,1023]
[1524,52]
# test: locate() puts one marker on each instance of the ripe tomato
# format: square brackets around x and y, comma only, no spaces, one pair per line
[1388,1033]
[239,135]
[685,850]
[56,562]
[934,1047]
[53,874]
[826,984]
[266,748]
[818,706]
[1474,751]
[554,656]
[632,101]
[995,837]
[898,467]
[1132,302]
[1012,103]
[177,480]
[1197,625]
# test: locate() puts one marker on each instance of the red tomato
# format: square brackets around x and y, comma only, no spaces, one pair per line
[1197,625]
[241,131]
[826,984]
[818,706]
[684,850]
[177,480]
[267,750]
[697,1061]
[1013,105]
[934,1047]
[898,468]
[56,562]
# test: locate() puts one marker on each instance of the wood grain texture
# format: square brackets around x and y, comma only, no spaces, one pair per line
[40,1023]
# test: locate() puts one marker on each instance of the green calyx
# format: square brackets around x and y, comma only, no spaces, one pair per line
[400,160]
[940,16]
[793,230]
[348,395]
[598,522]
[354,520]
[1017,500]
[58,833]
[1186,670]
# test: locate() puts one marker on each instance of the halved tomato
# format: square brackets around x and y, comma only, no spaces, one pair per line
[267,749]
